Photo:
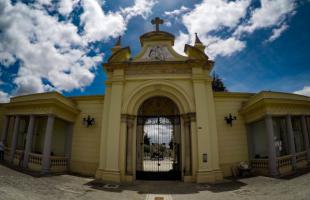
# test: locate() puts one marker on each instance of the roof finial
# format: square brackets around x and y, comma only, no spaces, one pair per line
[198,44]
[197,40]
[157,21]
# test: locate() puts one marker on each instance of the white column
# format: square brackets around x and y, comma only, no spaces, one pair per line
[47,143]
[291,139]
[29,140]
[111,170]
[129,153]
[306,136]
[68,143]
[204,143]
[272,157]
[139,139]
[250,142]
[5,125]
[194,142]
[123,146]
[68,140]
[187,144]
[14,138]
[104,130]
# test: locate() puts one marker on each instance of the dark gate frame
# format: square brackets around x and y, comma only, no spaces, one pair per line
[157,174]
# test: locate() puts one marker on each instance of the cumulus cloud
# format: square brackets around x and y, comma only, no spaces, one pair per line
[225,47]
[180,40]
[277,33]
[209,16]
[177,12]
[305,91]
[4,97]
[65,7]
[271,13]
[140,7]
[214,14]
[57,54]
[235,18]
[45,46]
[99,25]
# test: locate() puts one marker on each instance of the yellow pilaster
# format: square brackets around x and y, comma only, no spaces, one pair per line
[111,133]
[207,148]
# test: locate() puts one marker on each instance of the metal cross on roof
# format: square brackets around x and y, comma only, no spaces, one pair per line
[157,21]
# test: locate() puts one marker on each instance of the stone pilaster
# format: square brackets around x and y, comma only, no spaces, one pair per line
[47,144]
[187,141]
[29,137]
[306,136]
[68,143]
[194,150]
[291,139]
[5,125]
[129,142]
[250,142]
[272,157]
[14,137]
[111,171]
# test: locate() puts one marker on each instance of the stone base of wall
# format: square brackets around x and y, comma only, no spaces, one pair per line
[209,176]
[108,175]
[227,168]
[83,168]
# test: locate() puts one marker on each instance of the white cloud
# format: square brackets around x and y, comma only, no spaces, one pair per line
[140,7]
[305,91]
[277,33]
[216,46]
[7,59]
[214,14]
[45,46]
[53,55]
[271,13]
[65,7]
[177,12]
[99,25]
[224,47]
[4,97]
[180,41]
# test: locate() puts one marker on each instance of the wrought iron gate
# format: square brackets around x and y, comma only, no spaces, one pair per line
[158,147]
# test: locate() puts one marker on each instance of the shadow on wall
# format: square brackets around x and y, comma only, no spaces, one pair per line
[167,187]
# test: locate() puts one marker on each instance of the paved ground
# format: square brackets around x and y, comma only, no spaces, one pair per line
[15,185]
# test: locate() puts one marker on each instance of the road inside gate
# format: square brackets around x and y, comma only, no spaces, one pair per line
[16,185]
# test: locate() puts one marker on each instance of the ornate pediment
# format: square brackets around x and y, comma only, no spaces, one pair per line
[158,52]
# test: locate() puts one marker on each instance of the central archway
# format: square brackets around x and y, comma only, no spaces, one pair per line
[158,151]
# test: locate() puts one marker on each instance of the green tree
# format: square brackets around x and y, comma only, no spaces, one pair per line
[146,139]
[217,83]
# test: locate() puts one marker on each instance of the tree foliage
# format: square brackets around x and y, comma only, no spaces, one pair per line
[218,84]
[146,139]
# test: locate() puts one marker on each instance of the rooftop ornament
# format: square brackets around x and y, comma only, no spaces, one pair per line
[157,21]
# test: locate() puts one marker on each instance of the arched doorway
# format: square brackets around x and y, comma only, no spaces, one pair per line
[158,148]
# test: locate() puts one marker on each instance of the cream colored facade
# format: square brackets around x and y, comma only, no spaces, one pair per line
[108,149]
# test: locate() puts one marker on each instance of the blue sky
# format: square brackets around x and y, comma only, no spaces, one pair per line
[48,45]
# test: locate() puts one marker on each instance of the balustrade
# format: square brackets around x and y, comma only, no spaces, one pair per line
[35,159]
[259,163]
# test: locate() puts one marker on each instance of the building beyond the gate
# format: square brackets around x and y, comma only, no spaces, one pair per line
[158,93]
